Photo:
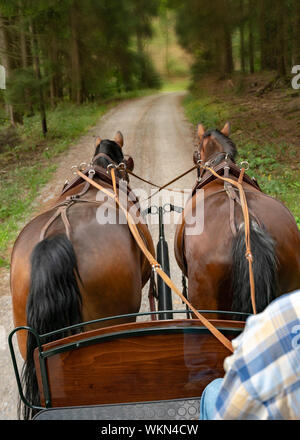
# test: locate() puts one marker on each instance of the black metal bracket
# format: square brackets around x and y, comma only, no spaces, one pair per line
[162,250]
[43,368]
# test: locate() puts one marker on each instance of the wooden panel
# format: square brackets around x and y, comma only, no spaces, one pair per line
[169,364]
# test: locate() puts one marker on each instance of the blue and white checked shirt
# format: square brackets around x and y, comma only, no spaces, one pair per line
[262,378]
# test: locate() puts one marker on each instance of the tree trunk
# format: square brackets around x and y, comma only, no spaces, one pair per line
[262,36]
[5,48]
[24,61]
[53,56]
[224,37]
[75,61]
[228,66]
[52,92]
[140,50]
[296,33]
[242,37]
[280,41]
[37,69]
[268,34]
[164,19]
[251,38]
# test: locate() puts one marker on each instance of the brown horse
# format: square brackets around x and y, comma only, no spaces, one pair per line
[68,267]
[214,260]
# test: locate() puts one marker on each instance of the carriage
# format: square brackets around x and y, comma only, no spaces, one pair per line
[155,368]
[150,365]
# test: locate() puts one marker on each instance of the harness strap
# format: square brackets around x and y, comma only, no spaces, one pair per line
[152,293]
[207,177]
[86,187]
[155,265]
[61,211]
[245,210]
[232,197]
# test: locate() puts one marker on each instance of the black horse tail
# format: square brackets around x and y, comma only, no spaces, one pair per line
[264,270]
[54,302]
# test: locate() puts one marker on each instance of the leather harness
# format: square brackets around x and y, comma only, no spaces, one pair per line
[224,169]
[155,265]
[61,209]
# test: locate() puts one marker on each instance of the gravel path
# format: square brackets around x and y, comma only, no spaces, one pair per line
[160,140]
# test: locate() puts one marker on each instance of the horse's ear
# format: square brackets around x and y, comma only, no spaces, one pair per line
[119,138]
[97,141]
[226,129]
[201,130]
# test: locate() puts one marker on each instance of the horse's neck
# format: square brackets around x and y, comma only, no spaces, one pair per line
[216,158]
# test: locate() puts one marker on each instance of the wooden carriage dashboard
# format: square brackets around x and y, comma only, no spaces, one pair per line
[136,362]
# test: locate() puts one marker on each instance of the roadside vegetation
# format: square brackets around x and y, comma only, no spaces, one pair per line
[28,160]
[264,136]
[67,62]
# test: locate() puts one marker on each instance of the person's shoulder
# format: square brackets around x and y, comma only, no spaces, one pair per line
[288,300]
[263,328]
[286,306]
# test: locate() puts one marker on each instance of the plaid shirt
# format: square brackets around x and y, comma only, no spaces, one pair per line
[262,380]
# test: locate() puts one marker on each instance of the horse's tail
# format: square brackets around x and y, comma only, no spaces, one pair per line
[54,302]
[264,270]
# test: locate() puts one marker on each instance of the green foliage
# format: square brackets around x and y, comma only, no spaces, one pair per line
[21,183]
[22,80]
[68,50]
[269,163]
[205,111]
[244,35]
[36,160]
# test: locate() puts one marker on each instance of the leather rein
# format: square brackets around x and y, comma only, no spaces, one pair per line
[88,177]
[153,262]
[206,174]
[92,171]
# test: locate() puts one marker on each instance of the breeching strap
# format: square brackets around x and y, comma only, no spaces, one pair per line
[245,210]
[153,262]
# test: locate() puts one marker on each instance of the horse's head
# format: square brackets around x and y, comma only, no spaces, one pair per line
[111,152]
[214,142]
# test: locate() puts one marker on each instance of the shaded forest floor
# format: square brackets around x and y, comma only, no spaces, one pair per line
[265,123]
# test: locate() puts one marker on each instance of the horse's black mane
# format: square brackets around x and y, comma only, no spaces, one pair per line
[112,149]
[227,144]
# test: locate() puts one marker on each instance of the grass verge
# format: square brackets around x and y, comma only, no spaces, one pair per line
[273,164]
[29,165]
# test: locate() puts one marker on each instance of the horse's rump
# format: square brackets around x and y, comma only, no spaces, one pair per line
[209,258]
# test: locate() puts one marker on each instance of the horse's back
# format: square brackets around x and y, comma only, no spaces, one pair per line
[209,257]
[109,262]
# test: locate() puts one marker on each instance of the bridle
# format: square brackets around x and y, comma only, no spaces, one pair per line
[210,163]
[121,167]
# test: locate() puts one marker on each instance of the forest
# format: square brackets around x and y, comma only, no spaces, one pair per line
[74,51]
[68,61]
[70,50]
[81,51]
[243,35]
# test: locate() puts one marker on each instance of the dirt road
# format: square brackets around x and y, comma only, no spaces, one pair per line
[160,140]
